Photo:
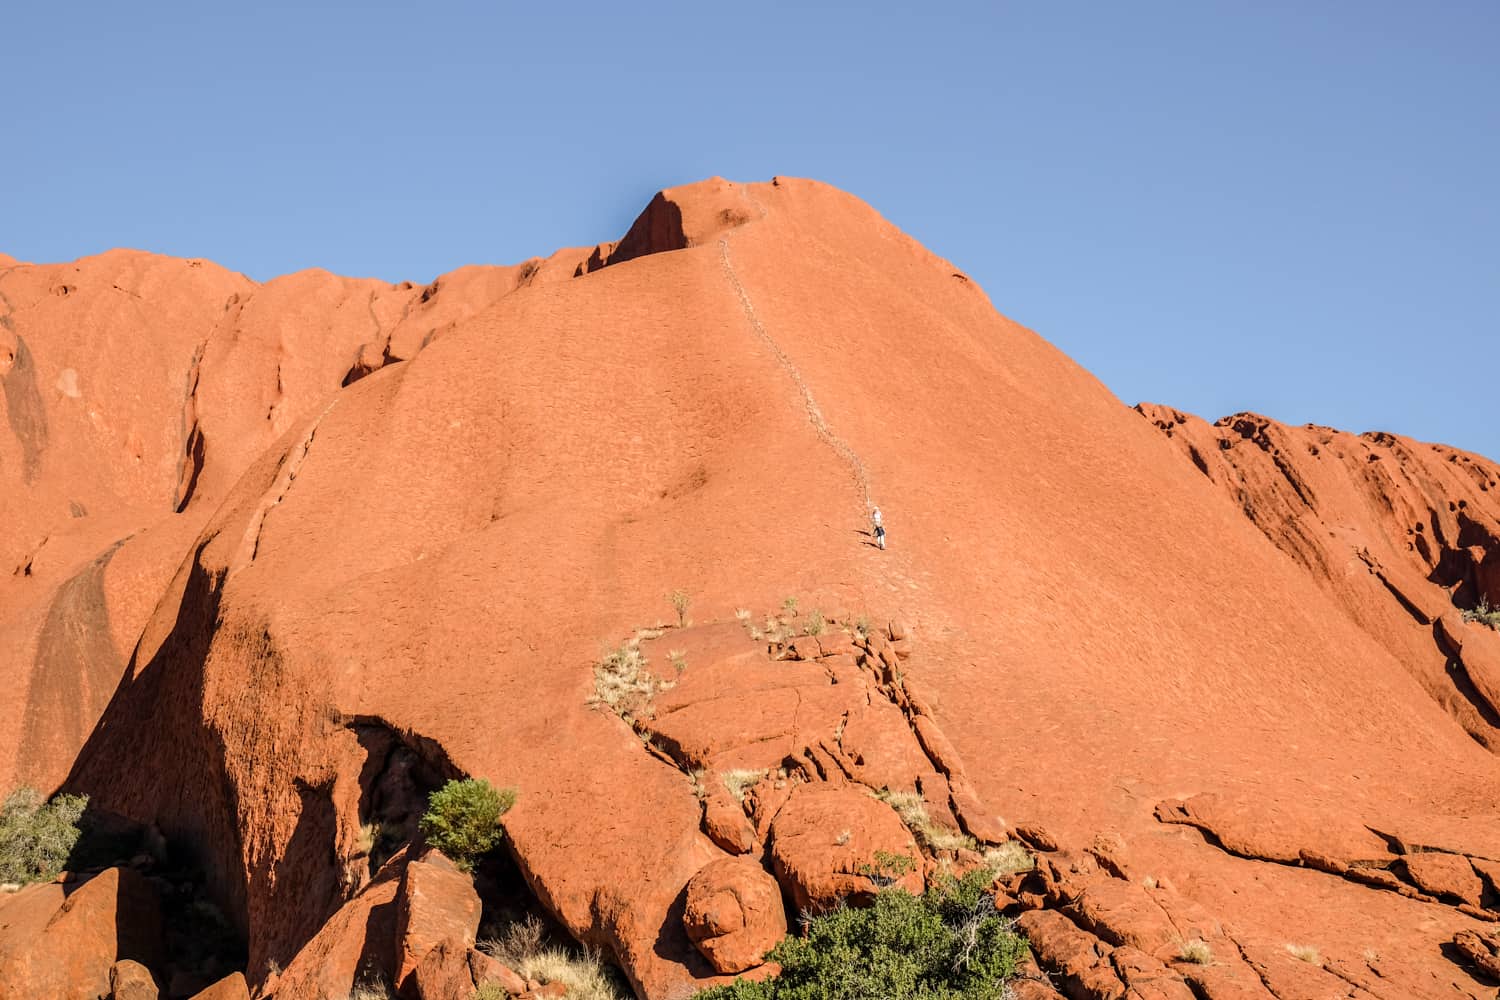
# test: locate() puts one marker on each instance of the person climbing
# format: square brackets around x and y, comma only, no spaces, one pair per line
[879,527]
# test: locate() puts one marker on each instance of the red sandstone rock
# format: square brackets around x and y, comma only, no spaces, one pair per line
[1267,829]
[442,974]
[64,939]
[725,822]
[485,969]
[1481,949]
[1111,613]
[1123,913]
[1145,978]
[130,980]
[358,940]
[818,865]
[1288,976]
[231,987]
[1444,875]
[1077,960]
[436,904]
[734,913]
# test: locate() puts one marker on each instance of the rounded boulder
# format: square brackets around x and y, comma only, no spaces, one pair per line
[734,913]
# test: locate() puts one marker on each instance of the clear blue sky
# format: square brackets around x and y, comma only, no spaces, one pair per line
[1290,207]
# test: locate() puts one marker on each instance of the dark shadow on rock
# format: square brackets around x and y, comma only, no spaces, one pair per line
[74,670]
[308,852]
[25,411]
[149,758]
[673,945]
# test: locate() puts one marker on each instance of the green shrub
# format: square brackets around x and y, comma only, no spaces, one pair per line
[463,819]
[36,837]
[948,944]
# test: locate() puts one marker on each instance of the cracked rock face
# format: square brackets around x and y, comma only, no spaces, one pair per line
[271,546]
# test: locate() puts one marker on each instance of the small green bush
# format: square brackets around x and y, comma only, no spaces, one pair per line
[948,944]
[36,837]
[463,819]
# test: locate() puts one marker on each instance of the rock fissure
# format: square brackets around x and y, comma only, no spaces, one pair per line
[286,475]
[814,412]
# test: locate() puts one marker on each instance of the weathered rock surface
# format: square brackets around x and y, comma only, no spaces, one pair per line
[1396,531]
[436,905]
[231,987]
[130,980]
[734,913]
[358,941]
[256,536]
[442,974]
[829,844]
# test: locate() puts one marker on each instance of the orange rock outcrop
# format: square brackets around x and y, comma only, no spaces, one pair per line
[279,556]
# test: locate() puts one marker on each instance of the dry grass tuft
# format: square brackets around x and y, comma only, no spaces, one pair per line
[1305,953]
[913,812]
[372,989]
[740,780]
[523,946]
[680,602]
[1196,951]
[624,684]
[1008,858]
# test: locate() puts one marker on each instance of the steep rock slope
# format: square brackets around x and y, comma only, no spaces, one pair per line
[1405,536]
[1110,656]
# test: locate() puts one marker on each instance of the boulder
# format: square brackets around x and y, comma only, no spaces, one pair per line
[734,913]
[486,969]
[1483,950]
[442,974]
[63,940]
[825,842]
[436,903]
[725,822]
[231,987]
[130,980]
[358,939]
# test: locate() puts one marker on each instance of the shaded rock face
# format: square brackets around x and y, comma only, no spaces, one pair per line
[328,542]
[64,939]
